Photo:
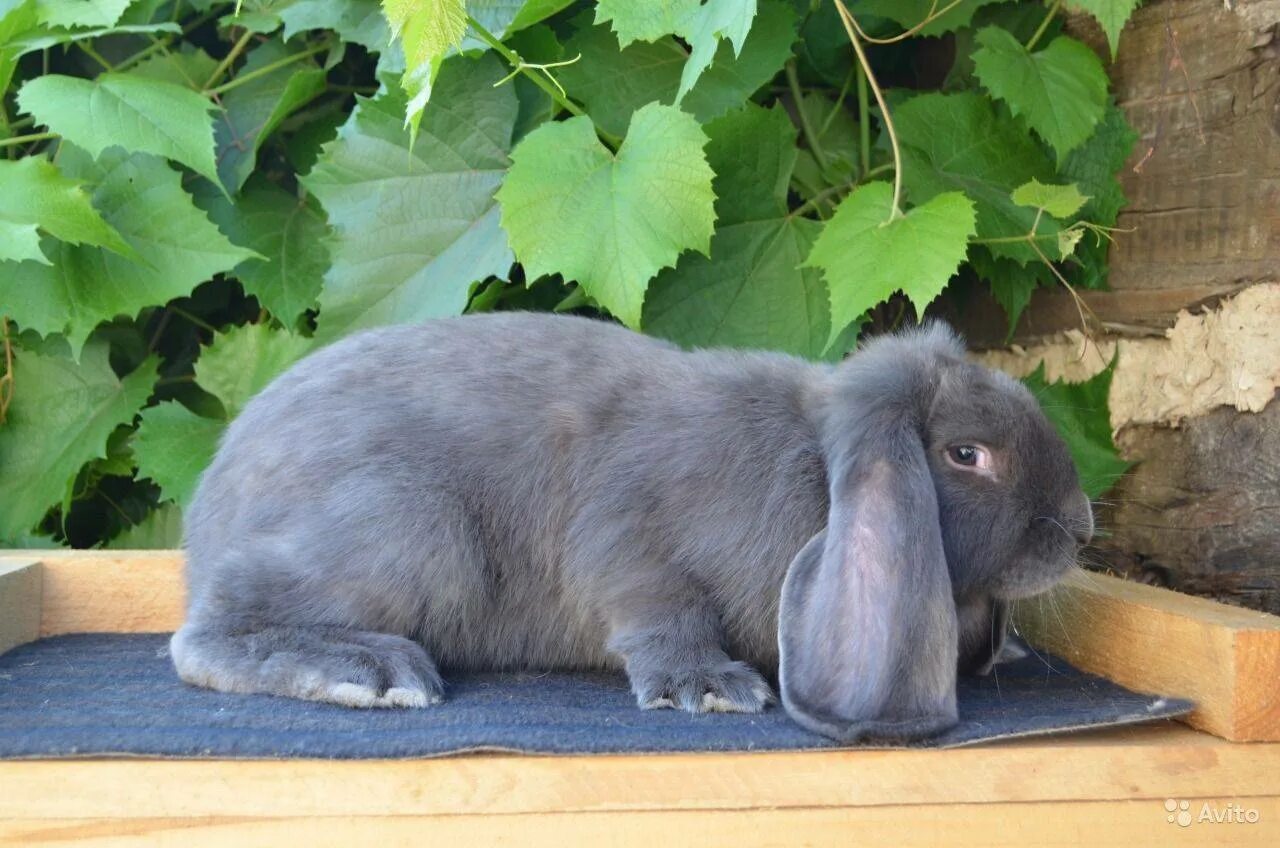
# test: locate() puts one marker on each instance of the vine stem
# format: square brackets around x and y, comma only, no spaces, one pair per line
[161,43]
[1044,25]
[6,382]
[265,69]
[232,55]
[793,83]
[850,27]
[23,139]
[864,122]
[518,64]
[933,15]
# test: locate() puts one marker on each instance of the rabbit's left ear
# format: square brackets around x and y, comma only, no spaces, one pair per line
[867,627]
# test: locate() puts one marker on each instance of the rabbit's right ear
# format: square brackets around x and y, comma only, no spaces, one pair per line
[867,626]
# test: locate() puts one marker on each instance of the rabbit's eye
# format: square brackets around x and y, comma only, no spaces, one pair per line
[969,456]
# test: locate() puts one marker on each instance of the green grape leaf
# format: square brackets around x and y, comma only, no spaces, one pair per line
[1060,201]
[428,31]
[525,13]
[610,222]
[1079,411]
[61,416]
[957,142]
[138,113]
[614,82]
[648,21]
[732,77]
[17,17]
[174,446]
[141,198]
[865,257]
[1111,14]
[252,111]
[289,235]
[161,529]
[35,194]
[20,242]
[1011,284]
[41,38]
[909,13]
[1093,166]
[415,228]
[81,13]
[703,29]
[357,21]
[751,291]
[243,360]
[1061,90]
[189,66]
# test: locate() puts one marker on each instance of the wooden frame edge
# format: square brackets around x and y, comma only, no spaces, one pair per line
[1225,658]
[21,590]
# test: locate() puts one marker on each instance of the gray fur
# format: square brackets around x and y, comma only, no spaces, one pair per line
[520,491]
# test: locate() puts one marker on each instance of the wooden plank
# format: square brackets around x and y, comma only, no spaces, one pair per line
[111,591]
[1225,658]
[1099,823]
[19,601]
[1125,763]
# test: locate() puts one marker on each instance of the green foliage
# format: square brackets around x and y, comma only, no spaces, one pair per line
[1111,14]
[865,256]
[62,413]
[1061,90]
[38,195]
[138,113]
[195,193]
[623,217]
[1077,410]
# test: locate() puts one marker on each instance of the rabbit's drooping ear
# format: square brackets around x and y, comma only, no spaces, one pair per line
[867,627]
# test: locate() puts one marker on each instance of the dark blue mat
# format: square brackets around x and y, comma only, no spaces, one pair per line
[93,694]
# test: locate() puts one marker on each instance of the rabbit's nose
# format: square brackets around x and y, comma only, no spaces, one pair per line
[1082,520]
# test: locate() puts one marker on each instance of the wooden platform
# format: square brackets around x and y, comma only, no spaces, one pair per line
[1099,788]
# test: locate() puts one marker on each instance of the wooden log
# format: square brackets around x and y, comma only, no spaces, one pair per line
[1198,80]
[1225,658]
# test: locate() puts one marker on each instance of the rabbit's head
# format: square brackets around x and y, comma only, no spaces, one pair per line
[947,483]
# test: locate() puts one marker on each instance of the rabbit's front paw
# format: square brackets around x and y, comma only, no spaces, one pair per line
[726,687]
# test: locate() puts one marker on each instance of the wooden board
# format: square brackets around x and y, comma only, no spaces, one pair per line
[1225,658]
[1122,824]
[1147,762]
[1106,787]
[19,602]
[111,592]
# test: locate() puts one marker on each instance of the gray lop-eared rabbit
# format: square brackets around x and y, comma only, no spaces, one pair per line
[521,491]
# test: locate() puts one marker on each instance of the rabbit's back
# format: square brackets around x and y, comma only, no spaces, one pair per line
[459,482]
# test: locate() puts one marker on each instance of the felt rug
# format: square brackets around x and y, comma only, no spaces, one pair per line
[109,694]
